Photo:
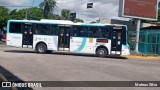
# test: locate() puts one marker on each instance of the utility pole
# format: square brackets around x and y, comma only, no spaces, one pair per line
[138,22]
[90,5]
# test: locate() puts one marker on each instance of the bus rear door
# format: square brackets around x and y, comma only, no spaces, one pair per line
[64,37]
[116,40]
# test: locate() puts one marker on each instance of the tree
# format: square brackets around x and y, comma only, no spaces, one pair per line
[78,20]
[4,12]
[47,6]
[13,12]
[65,13]
[15,15]
[93,22]
[35,13]
[55,17]
[27,13]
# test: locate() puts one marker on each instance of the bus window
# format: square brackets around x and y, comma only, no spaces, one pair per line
[98,32]
[15,27]
[54,30]
[80,31]
[93,32]
[103,32]
[42,29]
[75,32]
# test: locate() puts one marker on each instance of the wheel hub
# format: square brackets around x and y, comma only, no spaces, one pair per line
[41,48]
[101,52]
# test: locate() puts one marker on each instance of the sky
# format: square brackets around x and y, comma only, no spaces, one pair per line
[108,8]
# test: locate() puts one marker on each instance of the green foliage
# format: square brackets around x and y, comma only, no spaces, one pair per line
[48,7]
[4,12]
[55,17]
[28,13]
[78,20]
[34,13]
[65,13]
[18,14]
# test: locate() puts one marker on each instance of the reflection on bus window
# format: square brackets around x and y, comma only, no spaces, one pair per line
[42,29]
[92,32]
[80,31]
[15,27]
[54,30]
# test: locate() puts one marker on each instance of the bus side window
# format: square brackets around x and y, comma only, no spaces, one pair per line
[15,27]
[83,32]
[75,32]
[104,32]
[42,29]
[80,31]
[54,30]
[93,32]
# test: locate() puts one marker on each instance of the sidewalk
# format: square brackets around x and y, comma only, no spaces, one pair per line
[143,57]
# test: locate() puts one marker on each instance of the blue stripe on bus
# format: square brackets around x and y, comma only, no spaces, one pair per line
[82,45]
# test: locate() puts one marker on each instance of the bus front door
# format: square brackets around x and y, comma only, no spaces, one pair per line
[27,35]
[64,38]
[116,42]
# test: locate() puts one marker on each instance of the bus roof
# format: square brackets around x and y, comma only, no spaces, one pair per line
[48,21]
[57,21]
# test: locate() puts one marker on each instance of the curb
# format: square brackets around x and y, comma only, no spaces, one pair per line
[143,57]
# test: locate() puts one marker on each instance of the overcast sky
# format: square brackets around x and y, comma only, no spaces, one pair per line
[108,8]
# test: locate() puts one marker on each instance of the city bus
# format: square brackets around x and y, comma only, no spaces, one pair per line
[46,36]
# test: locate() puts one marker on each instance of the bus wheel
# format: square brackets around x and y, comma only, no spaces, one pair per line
[41,48]
[101,52]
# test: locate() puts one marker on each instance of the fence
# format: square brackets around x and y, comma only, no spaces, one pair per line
[149,41]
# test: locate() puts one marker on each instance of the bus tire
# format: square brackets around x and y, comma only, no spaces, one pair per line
[101,52]
[41,48]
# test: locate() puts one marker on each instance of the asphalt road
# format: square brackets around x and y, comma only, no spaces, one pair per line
[27,65]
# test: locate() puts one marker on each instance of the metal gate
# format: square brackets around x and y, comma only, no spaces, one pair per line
[149,41]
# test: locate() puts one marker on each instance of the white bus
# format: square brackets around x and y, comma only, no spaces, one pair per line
[46,36]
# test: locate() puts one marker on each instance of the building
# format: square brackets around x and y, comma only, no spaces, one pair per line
[130,24]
